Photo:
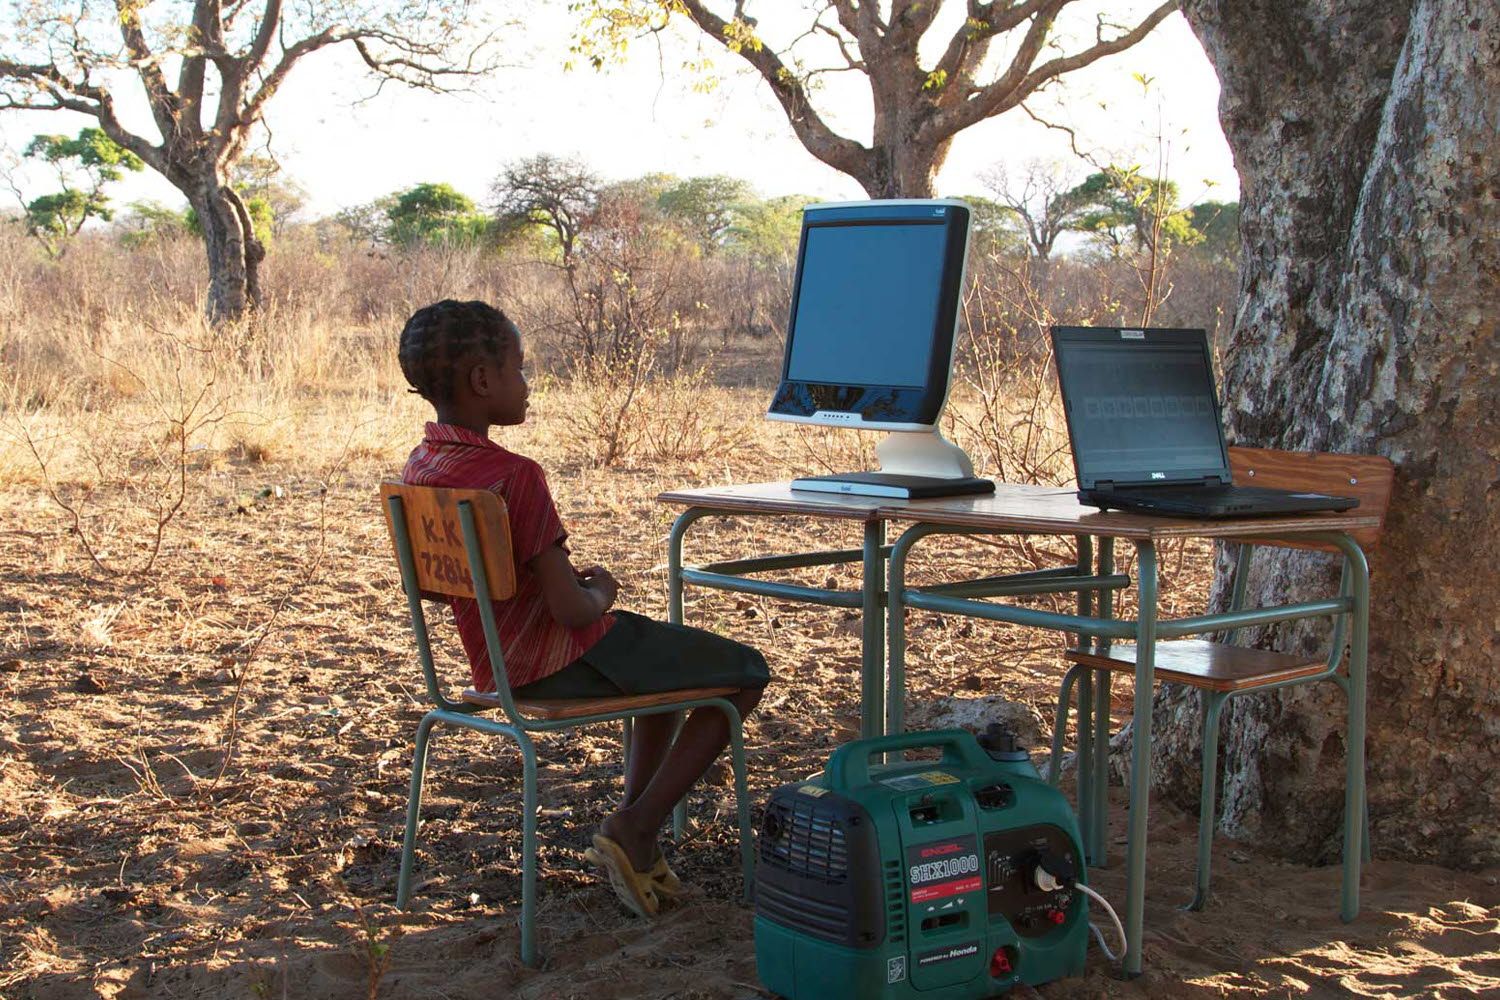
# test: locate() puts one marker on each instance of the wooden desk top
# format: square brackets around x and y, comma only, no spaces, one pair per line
[779,498]
[1048,510]
[1039,509]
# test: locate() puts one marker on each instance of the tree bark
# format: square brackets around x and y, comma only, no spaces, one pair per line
[1366,135]
[234,254]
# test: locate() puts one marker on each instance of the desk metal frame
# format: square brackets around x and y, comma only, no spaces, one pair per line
[1146,630]
[1094,582]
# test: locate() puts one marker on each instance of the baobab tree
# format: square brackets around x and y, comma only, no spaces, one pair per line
[207,71]
[1369,272]
[919,104]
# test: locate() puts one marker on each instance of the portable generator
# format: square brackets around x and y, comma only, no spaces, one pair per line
[919,878]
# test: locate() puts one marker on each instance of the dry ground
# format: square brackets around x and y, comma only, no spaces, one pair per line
[139,862]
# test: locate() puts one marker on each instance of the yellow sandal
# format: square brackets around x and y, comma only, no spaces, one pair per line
[635,889]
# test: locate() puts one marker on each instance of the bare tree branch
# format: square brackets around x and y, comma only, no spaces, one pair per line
[1021,80]
[819,139]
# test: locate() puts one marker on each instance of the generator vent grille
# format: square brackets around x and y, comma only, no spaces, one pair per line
[895,903]
[806,839]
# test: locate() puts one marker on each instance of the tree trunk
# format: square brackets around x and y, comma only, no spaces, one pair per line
[902,170]
[1366,135]
[234,254]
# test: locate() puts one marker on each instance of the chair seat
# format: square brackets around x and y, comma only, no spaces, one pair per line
[1209,665]
[573,708]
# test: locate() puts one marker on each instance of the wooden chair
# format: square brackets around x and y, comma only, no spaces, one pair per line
[456,543]
[1223,670]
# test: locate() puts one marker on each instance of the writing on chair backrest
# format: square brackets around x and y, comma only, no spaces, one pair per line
[435,531]
[1367,478]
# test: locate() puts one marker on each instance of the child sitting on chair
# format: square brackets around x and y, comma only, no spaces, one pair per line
[558,635]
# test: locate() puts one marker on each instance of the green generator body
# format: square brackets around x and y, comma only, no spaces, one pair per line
[918,878]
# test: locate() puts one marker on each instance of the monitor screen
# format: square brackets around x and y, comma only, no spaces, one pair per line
[874,286]
[874,311]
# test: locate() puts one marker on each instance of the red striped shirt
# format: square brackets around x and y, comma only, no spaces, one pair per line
[533,643]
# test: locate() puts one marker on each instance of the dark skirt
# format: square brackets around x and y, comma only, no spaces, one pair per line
[639,655]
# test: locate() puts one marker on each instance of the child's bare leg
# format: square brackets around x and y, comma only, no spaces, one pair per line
[704,736]
[650,738]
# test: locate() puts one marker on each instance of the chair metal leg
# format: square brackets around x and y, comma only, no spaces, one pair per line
[742,802]
[1085,770]
[529,955]
[1213,705]
[1060,723]
[1099,849]
[679,811]
[413,809]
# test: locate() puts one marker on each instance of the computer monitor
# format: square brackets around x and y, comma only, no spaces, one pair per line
[875,307]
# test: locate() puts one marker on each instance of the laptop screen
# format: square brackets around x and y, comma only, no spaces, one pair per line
[1140,404]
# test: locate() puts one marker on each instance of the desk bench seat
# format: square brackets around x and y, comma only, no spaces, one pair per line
[1208,665]
[573,708]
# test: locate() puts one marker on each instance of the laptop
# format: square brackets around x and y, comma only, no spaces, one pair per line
[1143,419]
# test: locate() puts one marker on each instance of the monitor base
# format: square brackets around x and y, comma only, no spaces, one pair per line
[913,465]
[885,484]
[923,453]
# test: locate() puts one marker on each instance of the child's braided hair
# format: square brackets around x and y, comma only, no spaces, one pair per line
[440,337]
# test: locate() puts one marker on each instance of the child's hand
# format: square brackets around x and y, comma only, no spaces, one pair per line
[600,580]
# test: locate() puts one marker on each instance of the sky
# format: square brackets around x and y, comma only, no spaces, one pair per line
[1155,103]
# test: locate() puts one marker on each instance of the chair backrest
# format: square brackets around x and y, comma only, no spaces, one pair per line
[1367,478]
[441,556]
[434,529]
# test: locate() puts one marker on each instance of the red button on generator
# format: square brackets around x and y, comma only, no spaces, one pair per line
[1057,916]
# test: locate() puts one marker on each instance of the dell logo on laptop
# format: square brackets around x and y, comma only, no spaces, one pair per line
[1158,475]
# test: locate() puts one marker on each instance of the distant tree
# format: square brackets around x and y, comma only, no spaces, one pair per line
[1121,207]
[66,55]
[84,166]
[1041,203]
[548,191]
[768,229]
[368,223]
[435,214]
[149,222]
[1219,224]
[260,178]
[920,104]
[705,206]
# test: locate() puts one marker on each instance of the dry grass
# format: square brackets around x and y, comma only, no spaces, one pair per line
[142,859]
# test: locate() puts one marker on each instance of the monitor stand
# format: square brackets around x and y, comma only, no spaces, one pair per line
[913,465]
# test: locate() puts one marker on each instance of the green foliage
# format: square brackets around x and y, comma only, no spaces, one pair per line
[148,222]
[767,229]
[94,151]
[262,219]
[435,214]
[545,196]
[367,223]
[706,207]
[1121,208]
[259,179]
[1219,222]
[997,228]
[84,165]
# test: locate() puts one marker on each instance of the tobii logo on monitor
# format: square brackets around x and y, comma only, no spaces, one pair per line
[1133,334]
